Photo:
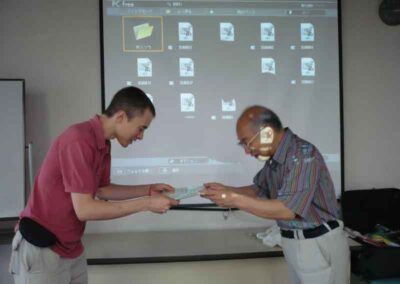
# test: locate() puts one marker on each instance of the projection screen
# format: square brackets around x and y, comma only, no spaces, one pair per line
[202,63]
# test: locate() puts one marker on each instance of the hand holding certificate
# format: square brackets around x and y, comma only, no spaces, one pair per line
[185,192]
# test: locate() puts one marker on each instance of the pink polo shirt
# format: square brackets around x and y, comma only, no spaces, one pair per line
[77,161]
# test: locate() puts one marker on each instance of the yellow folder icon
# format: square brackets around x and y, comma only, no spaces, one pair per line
[143,31]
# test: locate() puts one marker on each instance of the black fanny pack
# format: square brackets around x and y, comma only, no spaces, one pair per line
[35,233]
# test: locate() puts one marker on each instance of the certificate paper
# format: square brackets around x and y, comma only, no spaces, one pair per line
[185,192]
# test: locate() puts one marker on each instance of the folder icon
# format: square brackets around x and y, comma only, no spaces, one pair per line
[143,31]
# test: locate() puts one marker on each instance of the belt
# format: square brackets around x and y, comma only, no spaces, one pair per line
[311,233]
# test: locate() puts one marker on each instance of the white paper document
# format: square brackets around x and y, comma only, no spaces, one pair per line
[185,192]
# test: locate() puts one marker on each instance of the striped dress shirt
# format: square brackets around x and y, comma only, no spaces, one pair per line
[297,175]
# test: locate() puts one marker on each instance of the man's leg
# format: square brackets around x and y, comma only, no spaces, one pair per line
[289,251]
[337,244]
[310,263]
[31,264]
[79,274]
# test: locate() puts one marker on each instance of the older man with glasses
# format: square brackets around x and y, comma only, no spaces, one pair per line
[295,188]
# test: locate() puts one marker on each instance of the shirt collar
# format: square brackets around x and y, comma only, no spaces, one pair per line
[283,146]
[98,132]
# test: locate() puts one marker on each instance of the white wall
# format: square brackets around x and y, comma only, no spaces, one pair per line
[371,83]
[54,45]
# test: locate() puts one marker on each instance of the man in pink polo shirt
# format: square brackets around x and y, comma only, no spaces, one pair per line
[73,186]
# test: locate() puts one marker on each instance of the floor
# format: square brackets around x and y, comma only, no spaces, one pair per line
[5,277]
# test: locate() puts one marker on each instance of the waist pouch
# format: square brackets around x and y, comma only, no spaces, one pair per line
[36,234]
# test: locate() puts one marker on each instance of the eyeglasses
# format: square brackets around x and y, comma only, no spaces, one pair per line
[247,145]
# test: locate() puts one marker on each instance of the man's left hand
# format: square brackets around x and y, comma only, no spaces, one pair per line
[219,194]
[160,188]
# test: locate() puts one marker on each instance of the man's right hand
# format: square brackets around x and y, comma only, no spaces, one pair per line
[161,203]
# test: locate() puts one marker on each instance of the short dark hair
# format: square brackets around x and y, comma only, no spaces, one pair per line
[260,116]
[132,101]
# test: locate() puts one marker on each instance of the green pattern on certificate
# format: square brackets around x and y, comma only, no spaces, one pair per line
[185,192]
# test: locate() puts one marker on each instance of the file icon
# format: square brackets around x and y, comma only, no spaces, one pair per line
[307,32]
[143,31]
[268,65]
[226,32]
[186,67]
[229,105]
[185,31]
[144,67]
[187,102]
[307,66]
[267,32]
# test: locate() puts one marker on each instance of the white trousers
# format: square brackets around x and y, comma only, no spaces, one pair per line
[31,264]
[321,260]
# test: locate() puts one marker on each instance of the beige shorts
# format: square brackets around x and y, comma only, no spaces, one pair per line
[32,264]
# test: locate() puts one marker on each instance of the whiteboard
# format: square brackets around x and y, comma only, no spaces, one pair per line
[12,149]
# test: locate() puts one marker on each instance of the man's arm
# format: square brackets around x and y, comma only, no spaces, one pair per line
[265,208]
[232,197]
[247,190]
[124,192]
[88,208]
